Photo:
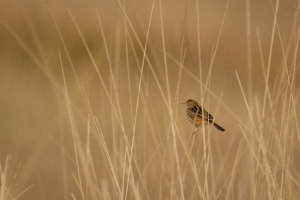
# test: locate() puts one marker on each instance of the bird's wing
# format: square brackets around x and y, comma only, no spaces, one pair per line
[196,110]
[209,116]
[200,112]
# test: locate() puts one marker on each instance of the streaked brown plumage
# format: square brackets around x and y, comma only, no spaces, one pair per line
[198,116]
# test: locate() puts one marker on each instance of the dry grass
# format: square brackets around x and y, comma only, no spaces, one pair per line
[91,93]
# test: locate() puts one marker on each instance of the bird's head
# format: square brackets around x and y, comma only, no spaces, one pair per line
[190,103]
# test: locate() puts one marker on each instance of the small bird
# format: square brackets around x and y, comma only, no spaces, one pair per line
[198,116]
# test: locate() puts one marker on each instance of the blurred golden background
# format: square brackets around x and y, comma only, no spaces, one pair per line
[38,128]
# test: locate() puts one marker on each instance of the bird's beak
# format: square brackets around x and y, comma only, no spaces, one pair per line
[182,103]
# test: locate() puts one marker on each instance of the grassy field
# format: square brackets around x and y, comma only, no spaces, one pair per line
[91,92]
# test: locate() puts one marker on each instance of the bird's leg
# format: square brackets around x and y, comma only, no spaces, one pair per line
[195,133]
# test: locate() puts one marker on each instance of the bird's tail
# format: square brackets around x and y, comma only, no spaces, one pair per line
[219,127]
